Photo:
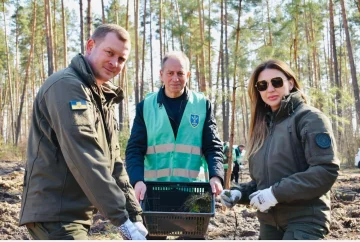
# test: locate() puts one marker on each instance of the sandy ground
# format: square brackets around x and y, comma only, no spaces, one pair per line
[239,223]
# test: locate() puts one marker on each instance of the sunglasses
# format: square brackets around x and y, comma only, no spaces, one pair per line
[276,82]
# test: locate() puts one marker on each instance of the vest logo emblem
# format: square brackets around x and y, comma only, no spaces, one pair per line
[194,120]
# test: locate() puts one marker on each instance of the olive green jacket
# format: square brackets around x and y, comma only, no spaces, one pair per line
[298,159]
[73,161]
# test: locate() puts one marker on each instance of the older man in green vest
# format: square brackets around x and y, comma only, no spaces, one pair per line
[174,136]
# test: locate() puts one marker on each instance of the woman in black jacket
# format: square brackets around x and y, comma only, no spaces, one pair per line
[292,158]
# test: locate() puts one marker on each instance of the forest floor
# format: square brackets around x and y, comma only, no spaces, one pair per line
[239,223]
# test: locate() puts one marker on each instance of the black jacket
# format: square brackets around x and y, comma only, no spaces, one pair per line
[137,144]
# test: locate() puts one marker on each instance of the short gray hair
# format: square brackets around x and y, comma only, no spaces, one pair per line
[178,55]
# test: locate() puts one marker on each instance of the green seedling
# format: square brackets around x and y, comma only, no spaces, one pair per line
[198,203]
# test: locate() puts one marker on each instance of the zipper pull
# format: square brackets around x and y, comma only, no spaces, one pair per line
[271,125]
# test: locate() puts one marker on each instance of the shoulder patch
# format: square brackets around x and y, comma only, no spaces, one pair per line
[323,140]
[78,105]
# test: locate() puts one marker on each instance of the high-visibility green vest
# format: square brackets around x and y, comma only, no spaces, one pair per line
[170,159]
[234,156]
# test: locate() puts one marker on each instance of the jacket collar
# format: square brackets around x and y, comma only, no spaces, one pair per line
[83,69]
[287,107]
[161,95]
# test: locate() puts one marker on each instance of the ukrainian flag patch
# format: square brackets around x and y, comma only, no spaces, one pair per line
[78,105]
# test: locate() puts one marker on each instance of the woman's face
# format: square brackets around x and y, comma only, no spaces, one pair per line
[272,95]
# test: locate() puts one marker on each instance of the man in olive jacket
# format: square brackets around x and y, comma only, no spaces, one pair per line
[73,162]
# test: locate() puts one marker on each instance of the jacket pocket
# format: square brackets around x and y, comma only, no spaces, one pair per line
[296,213]
[301,235]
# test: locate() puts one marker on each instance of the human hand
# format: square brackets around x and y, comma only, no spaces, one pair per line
[141,228]
[216,186]
[140,189]
[230,197]
[130,232]
[263,199]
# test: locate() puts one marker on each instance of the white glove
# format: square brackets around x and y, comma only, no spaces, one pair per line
[130,232]
[263,199]
[141,228]
[230,197]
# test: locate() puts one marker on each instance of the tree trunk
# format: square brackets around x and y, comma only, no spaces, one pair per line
[179,24]
[81,28]
[137,81]
[54,37]
[296,39]
[143,54]
[9,82]
[17,65]
[202,57]
[216,99]
[335,62]
[160,29]
[64,32]
[103,12]
[88,20]
[314,54]
[190,56]
[227,103]
[197,72]
[49,43]
[351,62]
[123,84]
[18,128]
[223,94]
[233,103]
[307,35]
[151,49]
[268,22]
[209,53]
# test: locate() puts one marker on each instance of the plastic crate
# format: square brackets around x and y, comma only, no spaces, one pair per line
[163,209]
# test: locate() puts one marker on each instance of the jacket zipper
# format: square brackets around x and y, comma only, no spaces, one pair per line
[271,128]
